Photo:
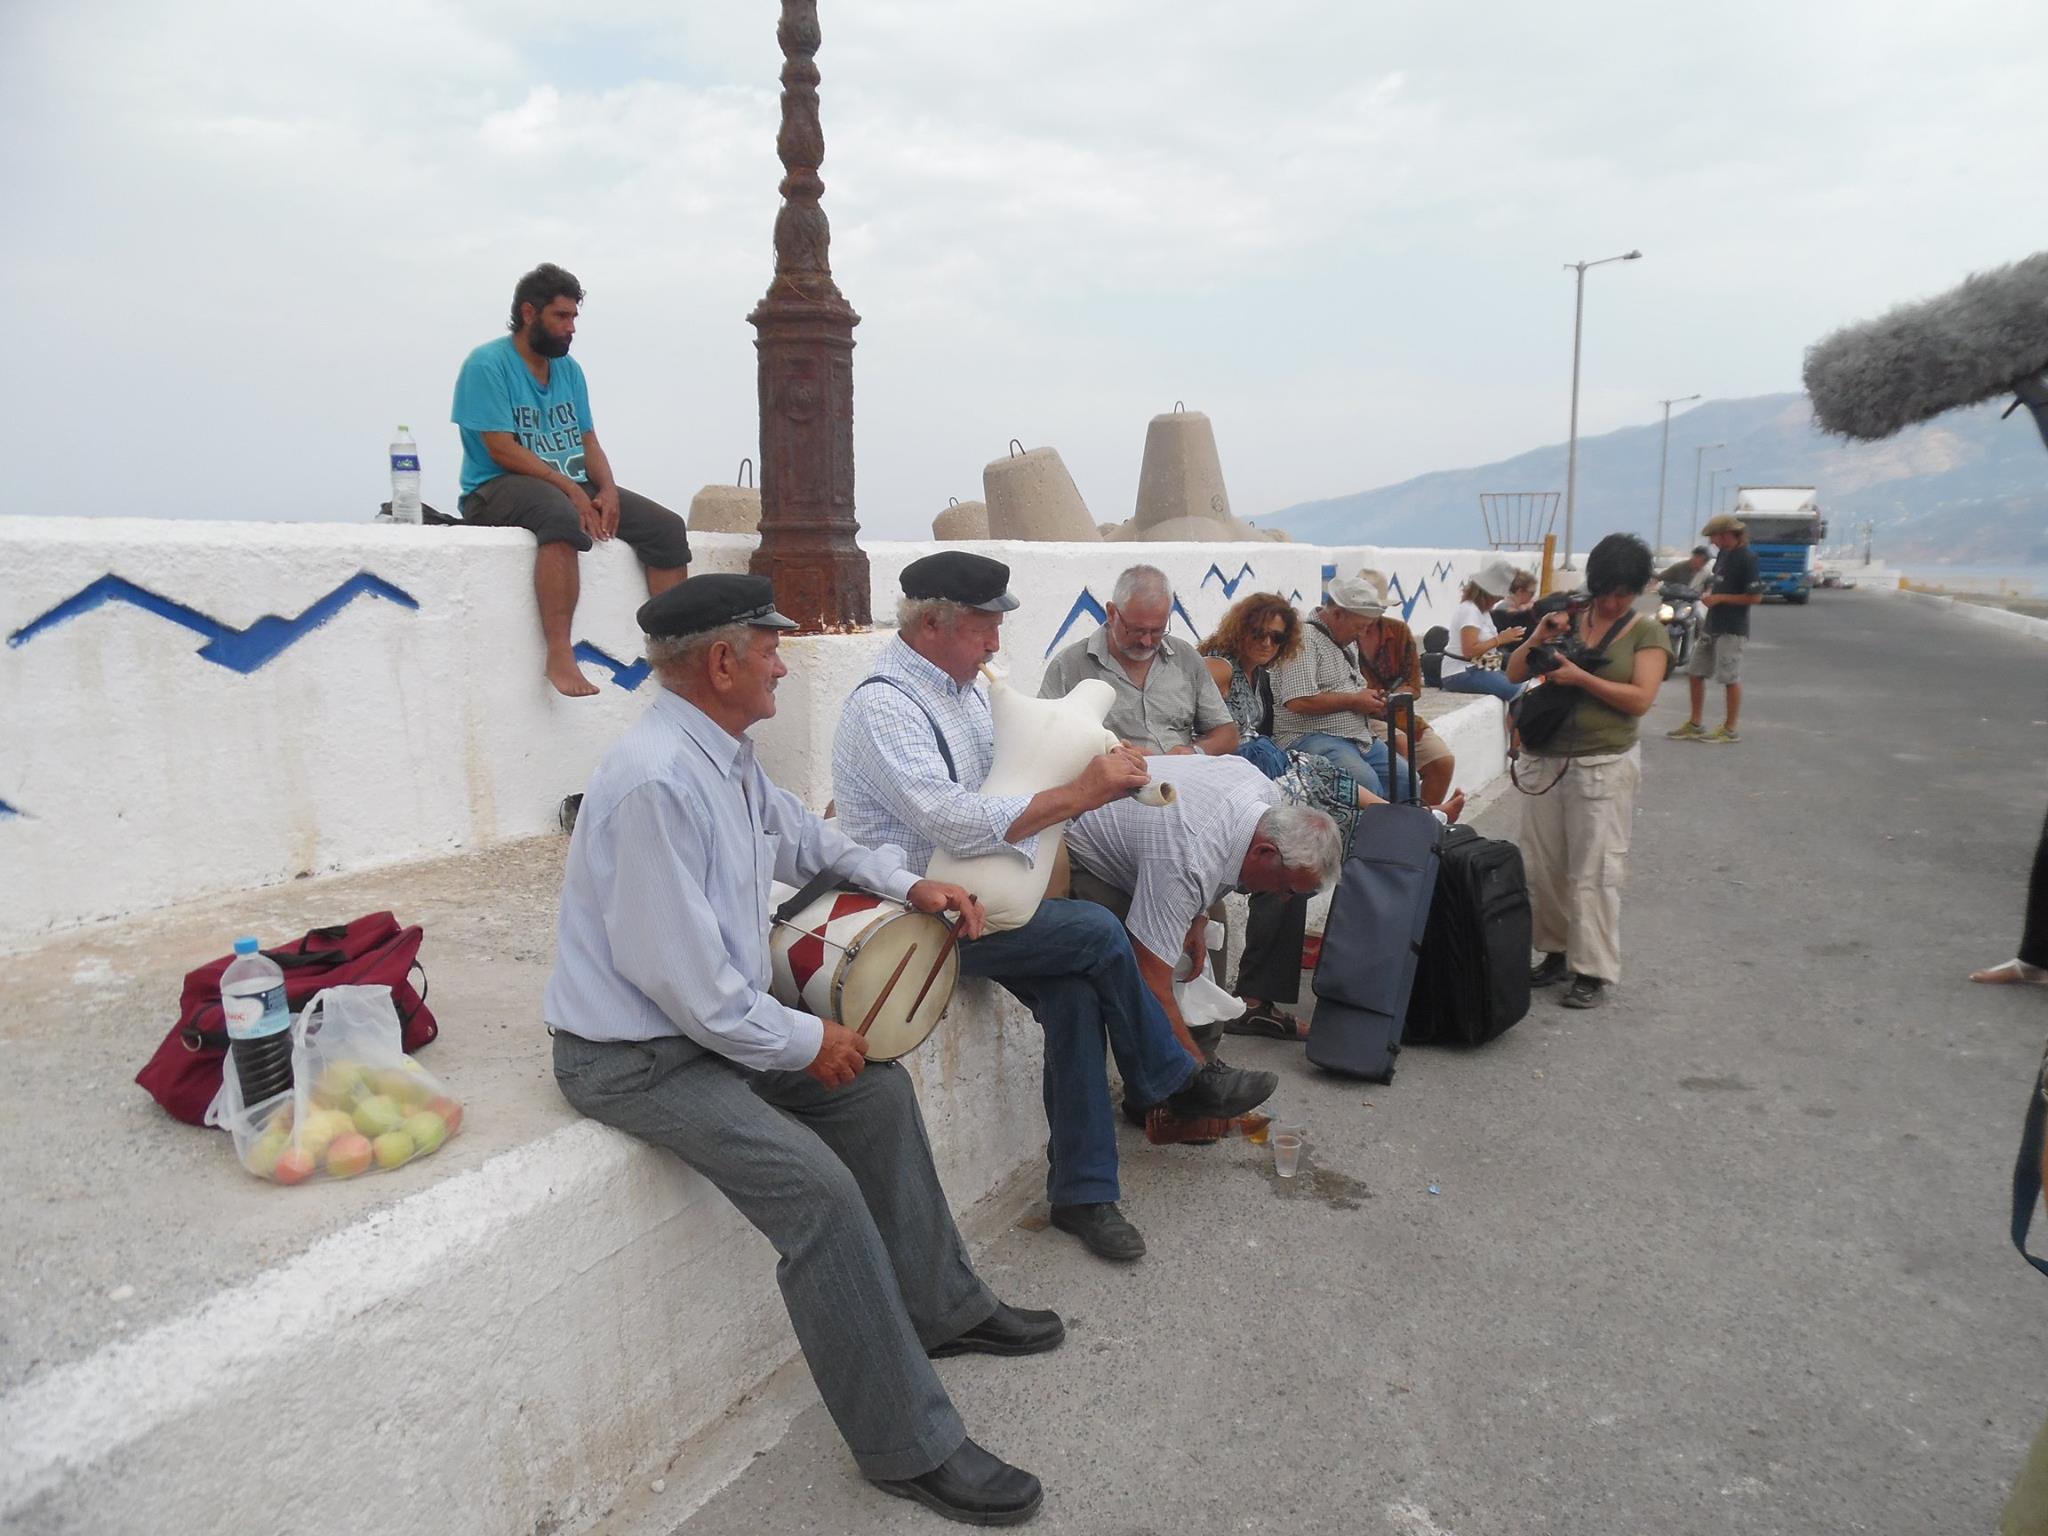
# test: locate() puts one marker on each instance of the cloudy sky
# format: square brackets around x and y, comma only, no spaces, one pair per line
[243,238]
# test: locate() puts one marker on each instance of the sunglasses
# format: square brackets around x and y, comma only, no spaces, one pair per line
[1271,636]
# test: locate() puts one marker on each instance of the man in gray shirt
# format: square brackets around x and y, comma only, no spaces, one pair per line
[664,1028]
[1166,701]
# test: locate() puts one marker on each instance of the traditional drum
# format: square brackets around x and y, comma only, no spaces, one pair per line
[871,964]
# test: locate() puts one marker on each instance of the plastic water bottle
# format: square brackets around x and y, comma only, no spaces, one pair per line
[405,477]
[259,1023]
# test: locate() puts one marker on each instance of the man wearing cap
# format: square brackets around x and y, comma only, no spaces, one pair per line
[1391,662]
[1321,701]
[914,744]
[664,1028]
[1166,701]
[1736,588]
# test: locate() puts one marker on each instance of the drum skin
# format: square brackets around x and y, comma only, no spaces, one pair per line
[836,956]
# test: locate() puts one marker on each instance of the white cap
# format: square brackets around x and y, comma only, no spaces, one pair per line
[1494,578]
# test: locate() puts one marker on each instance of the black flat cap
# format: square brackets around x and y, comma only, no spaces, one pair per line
[973,581]
[711,602]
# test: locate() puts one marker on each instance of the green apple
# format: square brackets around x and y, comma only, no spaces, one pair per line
[377,1114]
[320,1129]
[340,1084]
[393,1148]
[407,1084]
[265,1151]
[427,1129]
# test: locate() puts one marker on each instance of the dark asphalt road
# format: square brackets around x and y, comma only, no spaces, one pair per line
[1727,1256]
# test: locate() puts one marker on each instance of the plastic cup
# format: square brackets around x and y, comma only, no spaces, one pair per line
[1286,1142]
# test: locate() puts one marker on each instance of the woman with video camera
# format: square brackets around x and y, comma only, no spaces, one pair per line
[1581,764]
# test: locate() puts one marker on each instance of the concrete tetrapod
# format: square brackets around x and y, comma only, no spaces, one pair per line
[726,509]
[961,522]
[1181,495]
[1030,495]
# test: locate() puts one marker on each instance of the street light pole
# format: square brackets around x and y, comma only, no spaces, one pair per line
[1698,458]
[1712,476]
[1571,461]
[1663,458]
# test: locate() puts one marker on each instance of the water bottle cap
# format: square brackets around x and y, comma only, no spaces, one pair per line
[245,946]
[403,427]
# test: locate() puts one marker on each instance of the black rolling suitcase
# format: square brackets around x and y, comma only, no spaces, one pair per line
[1473,980]
[1373,935]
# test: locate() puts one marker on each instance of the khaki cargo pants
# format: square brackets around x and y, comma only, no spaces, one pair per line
[1575,847]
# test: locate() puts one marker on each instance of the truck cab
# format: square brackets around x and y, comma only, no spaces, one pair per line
[1784,525]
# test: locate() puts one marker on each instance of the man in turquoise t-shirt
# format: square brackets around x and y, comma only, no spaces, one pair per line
[531,459]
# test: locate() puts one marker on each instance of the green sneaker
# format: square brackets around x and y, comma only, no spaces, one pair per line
[1686,732]
[1721,733]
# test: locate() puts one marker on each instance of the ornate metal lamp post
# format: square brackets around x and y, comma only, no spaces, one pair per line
[805,342]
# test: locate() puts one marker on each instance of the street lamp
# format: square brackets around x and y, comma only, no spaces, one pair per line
[1663,455]
[1571,461]
[1697,461]
[1712,476]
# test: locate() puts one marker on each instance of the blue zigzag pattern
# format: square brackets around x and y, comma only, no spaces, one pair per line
[1408,600]
[239,650]
[1442,571]
[1086,606]
[8,810]
[626,674]
[1329,575]
[1230,584]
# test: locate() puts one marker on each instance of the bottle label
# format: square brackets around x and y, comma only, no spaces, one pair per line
[254,1014]
[405,463]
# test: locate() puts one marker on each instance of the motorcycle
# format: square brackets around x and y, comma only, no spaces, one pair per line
[1680,612]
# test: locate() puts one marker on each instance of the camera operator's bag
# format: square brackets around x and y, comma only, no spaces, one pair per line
[1373,936]
[1539,713]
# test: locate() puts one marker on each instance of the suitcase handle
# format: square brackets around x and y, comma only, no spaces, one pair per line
[1395,702]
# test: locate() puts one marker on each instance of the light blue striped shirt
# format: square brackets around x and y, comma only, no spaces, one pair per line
[889,779]
[665,901]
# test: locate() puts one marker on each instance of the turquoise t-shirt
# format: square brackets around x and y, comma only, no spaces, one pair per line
[496,392]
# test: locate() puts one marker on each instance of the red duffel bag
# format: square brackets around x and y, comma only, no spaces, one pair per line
[372,951]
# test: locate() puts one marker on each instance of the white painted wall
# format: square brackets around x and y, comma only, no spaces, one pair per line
[138,771]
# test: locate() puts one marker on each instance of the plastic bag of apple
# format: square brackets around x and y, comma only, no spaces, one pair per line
[358,1103]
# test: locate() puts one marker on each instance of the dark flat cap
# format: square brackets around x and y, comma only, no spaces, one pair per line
[711,602]
[973,581]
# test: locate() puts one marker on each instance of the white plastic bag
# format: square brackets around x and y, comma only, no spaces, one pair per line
[358,1102]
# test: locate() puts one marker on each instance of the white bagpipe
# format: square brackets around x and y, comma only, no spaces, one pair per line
[886,971]
[1040,745]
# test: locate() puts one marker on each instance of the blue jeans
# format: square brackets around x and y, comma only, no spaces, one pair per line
[1072,966]
[1368,765]
[1479,680]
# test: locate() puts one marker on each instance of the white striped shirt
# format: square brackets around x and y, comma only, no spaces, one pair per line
[1176,859]
[664,925]
[889,779]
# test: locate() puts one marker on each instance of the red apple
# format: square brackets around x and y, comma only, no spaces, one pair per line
[348,1156]
[293,1167]
[449,1111]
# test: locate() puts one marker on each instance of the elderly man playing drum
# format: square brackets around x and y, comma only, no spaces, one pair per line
[915,743]
[664,1027]
[1229,828]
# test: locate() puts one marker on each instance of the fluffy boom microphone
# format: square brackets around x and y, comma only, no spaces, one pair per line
[1984,338]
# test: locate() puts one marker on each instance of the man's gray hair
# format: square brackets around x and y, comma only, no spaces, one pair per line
[1305,838]
[913,611]
[685,653]
[1141,581]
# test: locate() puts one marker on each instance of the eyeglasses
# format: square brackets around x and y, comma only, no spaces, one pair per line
[1271,636]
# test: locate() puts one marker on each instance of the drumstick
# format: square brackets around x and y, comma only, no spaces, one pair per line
[938,965]
[888,987]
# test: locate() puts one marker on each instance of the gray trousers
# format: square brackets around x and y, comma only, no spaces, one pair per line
[873,1270]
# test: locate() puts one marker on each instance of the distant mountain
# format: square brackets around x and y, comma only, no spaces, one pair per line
[1966,488]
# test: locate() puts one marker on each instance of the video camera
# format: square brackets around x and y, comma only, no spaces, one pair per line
[1544,658]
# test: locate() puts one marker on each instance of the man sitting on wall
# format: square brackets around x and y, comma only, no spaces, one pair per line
[530,459]
[665,1029]
[1322,702]
[1161,868]
[914,744]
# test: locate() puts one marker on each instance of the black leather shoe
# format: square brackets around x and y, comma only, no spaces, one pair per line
[1006,1331]
[1220,1091]
[1102,1229]
[1550,972]
[972,1487]
[1586,992]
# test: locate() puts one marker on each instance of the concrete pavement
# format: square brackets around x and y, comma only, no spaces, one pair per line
[1726,1256]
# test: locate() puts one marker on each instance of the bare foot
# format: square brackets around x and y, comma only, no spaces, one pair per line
[568,678]
[1454,807]
[2012,972]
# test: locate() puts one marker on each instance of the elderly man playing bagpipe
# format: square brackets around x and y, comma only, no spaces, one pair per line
[915,743]
[664,1027]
